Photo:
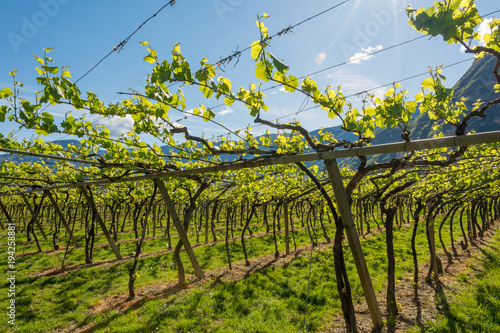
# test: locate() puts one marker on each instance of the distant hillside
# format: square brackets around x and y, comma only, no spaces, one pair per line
[63,143]
[476,83]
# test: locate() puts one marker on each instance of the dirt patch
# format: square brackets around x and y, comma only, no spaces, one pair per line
[120,303]
[413,311]
[238,272]
[432,298]
[172,234]
[58,271]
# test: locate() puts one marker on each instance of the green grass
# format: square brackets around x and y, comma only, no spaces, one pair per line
[48,303]
[77,255]
[476,308]
[271,300]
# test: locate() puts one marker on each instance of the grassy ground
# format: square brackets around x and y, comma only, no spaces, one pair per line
[48,303]
[270,300]
[474,306]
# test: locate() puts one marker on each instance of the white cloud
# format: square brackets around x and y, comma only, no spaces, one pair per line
[57,114]
[484,28]
[320,58]
[364,54]
[118,125]
[281,89]
[225,111]
[353,83]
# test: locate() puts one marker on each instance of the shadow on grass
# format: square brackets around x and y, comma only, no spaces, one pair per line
[478,308]
[97,326]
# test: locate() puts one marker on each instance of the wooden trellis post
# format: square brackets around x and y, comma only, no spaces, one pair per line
[180,229]
[61,216]
[33,214]
[354,243]
[91,203]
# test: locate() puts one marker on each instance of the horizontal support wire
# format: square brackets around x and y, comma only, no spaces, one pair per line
[444,142]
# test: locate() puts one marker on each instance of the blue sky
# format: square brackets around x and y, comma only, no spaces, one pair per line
[82,32]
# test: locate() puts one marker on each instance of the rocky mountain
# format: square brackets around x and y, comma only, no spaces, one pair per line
[477,83]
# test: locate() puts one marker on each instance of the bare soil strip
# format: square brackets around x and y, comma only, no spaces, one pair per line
[119,303]
[104,243]
[432,299]
[411,311]
[58,271]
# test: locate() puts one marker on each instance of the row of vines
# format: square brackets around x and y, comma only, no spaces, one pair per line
[127,198]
